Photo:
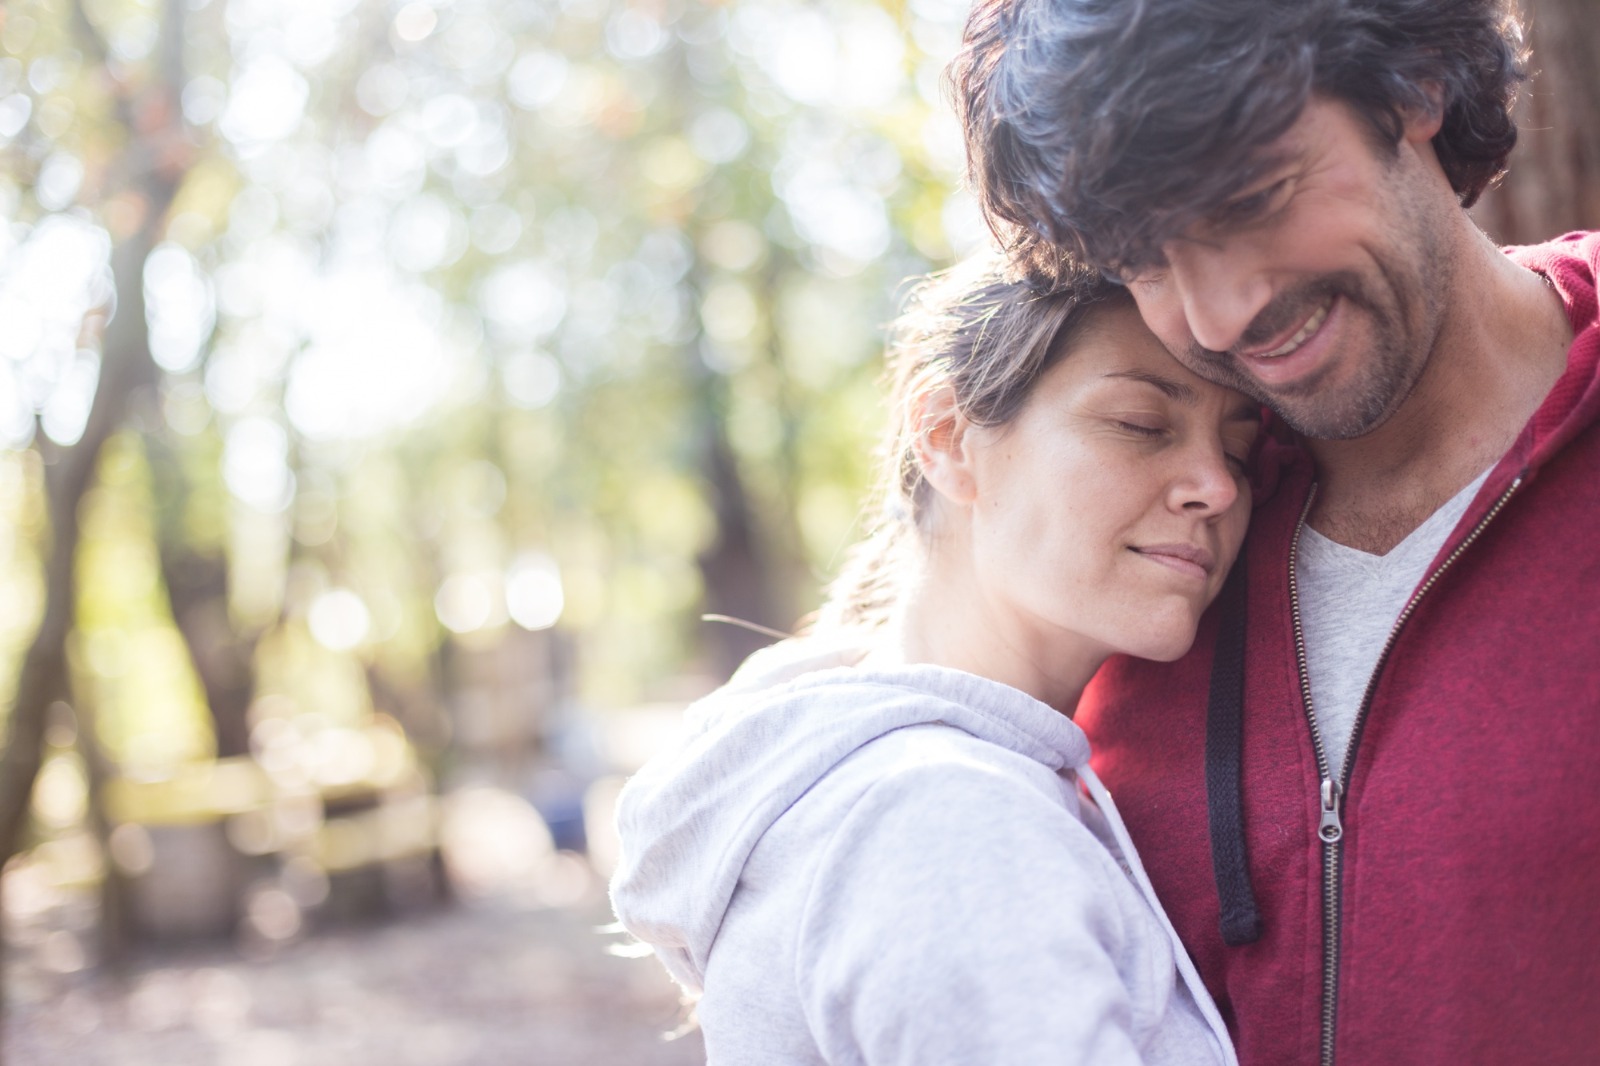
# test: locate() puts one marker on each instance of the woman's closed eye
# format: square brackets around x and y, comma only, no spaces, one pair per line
[1235,453]
[1238,446]
[1138,429]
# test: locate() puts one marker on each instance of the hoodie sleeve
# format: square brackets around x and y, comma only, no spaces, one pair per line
[961,914]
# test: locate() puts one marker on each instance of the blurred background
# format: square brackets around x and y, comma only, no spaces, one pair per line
[386,391]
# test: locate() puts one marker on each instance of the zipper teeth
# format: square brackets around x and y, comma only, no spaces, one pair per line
[1332,853]
[1405,615]
[1299,634]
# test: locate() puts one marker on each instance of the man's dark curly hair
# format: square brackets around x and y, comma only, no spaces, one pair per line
[1097,129]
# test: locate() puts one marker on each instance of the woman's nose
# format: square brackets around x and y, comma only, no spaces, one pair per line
[1207,484]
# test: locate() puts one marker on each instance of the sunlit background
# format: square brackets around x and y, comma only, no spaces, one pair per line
[386,391]
[428,370]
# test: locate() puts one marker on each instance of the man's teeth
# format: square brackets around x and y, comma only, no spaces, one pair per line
[1313,324]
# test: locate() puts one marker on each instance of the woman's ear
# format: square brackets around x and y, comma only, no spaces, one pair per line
[943,445]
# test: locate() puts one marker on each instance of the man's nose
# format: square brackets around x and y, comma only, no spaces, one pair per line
[1220,290]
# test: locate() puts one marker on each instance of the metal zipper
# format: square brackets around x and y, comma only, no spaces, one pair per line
[1331,792]
[1329,828]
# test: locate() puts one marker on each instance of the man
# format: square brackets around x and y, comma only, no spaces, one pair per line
[1368,796]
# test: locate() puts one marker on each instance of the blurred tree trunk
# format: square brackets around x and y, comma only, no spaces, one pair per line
[736,570]
[152,162]
[738,580]
[1554,182]
[125,368]
[115,935]
[196,580]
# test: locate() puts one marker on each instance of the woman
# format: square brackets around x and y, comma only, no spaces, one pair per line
[882,842]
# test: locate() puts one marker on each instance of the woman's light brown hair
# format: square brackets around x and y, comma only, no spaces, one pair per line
[984,332]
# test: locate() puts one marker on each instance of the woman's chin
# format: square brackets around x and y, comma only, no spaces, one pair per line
[1163,653]
[1164,640]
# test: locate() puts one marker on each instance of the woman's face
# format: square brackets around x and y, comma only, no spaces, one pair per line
[1112,506]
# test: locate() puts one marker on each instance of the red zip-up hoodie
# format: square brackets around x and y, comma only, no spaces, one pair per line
[1457,920]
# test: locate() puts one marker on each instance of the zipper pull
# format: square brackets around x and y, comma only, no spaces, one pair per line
[1330,829]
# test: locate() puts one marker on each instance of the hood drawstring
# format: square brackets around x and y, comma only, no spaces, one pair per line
[1241,920]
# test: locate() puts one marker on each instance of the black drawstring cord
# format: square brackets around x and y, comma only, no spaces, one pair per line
[1241,921]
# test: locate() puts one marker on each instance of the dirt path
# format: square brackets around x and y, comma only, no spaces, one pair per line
[485,984]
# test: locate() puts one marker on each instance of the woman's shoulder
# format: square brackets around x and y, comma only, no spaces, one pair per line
[943,795]
[939,757]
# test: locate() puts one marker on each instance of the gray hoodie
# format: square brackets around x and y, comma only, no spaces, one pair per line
[910,866]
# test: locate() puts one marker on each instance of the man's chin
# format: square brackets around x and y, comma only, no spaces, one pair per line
[1323,418]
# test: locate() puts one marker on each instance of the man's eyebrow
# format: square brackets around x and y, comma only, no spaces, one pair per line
[1174,390]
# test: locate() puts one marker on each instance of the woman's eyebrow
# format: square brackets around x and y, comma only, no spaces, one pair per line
[1175,390]
[1247,411]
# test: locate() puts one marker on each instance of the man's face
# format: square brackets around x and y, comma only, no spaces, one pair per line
[1319,290]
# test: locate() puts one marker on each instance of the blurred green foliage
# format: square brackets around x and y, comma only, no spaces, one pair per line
[459,306]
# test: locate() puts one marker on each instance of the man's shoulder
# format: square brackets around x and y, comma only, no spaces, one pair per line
[1579,244]
[1571,262]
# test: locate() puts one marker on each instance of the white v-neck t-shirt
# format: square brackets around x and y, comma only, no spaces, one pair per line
[1349,603]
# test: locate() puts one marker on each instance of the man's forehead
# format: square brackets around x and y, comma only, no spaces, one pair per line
[1313,127]
[1161,187]
[1255,169]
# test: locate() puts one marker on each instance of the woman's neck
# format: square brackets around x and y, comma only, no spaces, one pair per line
[947,619]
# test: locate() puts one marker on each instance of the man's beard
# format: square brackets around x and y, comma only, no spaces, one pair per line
[1384,375]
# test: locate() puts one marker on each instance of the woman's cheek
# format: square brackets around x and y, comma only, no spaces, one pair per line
[1239,516]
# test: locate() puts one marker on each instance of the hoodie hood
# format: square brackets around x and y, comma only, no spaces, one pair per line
[1570,264]
[690,819]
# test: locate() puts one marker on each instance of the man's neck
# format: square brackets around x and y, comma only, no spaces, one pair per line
[1501,349]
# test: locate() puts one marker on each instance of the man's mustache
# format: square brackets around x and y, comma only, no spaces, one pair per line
[1289,308]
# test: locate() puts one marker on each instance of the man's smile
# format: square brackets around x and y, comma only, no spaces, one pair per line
[1312,323]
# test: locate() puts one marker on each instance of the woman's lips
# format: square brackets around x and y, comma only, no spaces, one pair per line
[1184,558]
